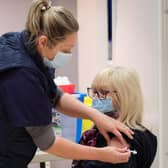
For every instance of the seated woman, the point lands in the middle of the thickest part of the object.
(116, 92)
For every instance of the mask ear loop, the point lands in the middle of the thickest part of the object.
(115, 99)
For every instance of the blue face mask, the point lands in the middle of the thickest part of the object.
(59, 60)
(103, 105)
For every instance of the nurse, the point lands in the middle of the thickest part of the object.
(28, 93)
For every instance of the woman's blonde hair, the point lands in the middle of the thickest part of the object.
(55, 22)
(126, 93)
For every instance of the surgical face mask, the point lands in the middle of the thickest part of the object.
(59, 60)
(103, 105)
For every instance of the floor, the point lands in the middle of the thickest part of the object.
(57, 164)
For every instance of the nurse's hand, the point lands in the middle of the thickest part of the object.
(107, 124)
(114, 155)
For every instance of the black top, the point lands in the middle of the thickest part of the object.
(27, 95)
(144, 142)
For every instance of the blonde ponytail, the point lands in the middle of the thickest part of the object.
(53, 21)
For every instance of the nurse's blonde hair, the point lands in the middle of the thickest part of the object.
(55, 22)
(126, 93)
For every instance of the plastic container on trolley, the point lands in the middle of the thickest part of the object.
(67, 124)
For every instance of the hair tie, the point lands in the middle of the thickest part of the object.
(44, 8)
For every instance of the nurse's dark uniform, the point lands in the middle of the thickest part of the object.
(27, 95)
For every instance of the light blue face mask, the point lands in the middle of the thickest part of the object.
(59, 60)
(103, 105)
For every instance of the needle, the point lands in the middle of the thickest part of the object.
(134, 152)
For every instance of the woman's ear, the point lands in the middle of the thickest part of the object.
(42, 45)
(42, 42)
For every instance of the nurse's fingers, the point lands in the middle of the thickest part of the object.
(123, 154)
(115, 155)
(124, 129)
(119, 136)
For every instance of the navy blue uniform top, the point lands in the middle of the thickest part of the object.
(27, 94)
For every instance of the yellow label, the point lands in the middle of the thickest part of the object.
(88, 101)
(87, 124)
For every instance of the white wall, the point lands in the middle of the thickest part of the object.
(136, 44)
(13, 15)
(164, 87)
(92, 40)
